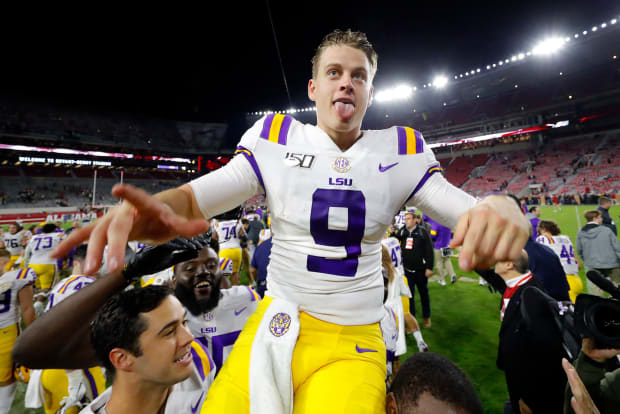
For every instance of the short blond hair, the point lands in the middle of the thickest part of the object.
(357, 40)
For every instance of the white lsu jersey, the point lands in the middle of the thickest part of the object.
(67, 287)
(13, 242)
(226, 266)
(228, 234)
(41, 245)
(563, 248)
(10, 285)
(218, 330)
(331, 208)
(389, 329)
(393, 246)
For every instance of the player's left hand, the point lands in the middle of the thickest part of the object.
(494, 230)
(154, 259)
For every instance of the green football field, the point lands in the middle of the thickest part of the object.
(466, 322)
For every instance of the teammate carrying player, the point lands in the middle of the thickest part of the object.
(329, 217)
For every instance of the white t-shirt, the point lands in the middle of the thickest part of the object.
(218, 330)
(10, 284)
(330, 208)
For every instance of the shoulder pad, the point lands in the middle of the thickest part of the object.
(410, 141)
(276, 127)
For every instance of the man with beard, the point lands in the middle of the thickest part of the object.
(216, 316)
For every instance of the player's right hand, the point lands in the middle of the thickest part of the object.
(141, 216)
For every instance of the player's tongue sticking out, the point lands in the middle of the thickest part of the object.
(344, 109)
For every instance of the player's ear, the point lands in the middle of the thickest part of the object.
(390, 404)
(371, 96)
(121, 359)
(311, 90)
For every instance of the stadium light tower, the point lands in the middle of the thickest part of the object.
(440, 81)
(398, 93)
(548, 46)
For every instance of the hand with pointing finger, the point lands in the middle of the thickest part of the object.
(153, 219)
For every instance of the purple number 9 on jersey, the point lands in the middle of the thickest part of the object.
(351, 238)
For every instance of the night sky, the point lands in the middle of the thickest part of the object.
(215, 63)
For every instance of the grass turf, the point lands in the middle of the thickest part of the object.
(465, 320)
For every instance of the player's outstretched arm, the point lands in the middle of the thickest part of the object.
(61, 337)
(150, 218)
(493, 230)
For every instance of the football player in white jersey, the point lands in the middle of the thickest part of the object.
(15, 294)
(37, 255)
(14, 241)
(216, 316)
(229, 230)
(58, 388)
(140, 335)
(549, 235)
(332, 190)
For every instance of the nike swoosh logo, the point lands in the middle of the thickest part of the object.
(195, 407)
(362, 350)
(387, 167)
(238, 312)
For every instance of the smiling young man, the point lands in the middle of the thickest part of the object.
(156, 365)
(216, 316)
(330, 207)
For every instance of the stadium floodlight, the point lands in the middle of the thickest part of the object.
(613, 21)
(494, 65)
(461, 75)
(456, 76)
(501, 62)
(440, 81)
(514, 58)
(506, 61)
(520, 56)
(576, 35)
(548, 46)
(488, 67)
(478, 70)
(585, 32)
(472, 72)
(603, 25)
(594, 29)
(398, 93)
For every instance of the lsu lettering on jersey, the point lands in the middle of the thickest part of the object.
(393, 246)
(218, 330)
(13, 242)
(186, 396)
(563, 248)
(228, 234)
(40, 246)
(67, 287)
(330, 210)
(10, 285)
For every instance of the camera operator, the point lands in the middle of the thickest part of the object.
(603, 386)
